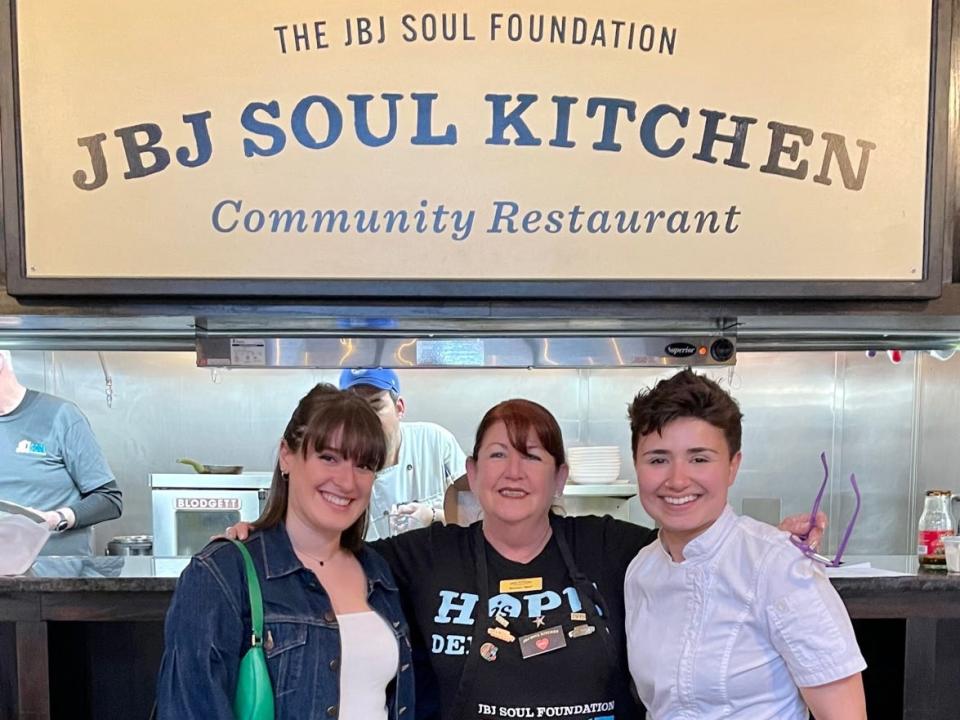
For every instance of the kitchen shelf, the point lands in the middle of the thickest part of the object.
(617, 489)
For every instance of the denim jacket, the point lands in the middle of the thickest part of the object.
(208, 631)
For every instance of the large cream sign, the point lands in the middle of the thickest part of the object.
(629, 141)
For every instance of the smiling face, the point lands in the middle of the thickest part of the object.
(684, 474)
(328, 491)
(514, 486)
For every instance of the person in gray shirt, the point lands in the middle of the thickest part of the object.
(50, 462)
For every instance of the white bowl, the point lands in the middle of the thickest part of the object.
(594, 450)
(594, 479)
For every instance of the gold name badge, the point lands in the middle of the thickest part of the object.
(521, 585)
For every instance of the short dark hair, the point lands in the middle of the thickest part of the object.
(685, 395)
(520, 417)
(371, 392)
(319, 416)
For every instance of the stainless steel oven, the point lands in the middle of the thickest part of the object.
(188, 509)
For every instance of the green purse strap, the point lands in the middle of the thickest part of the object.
(253, 588)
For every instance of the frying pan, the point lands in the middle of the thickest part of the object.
(212, 469)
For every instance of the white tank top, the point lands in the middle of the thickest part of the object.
(369, 662)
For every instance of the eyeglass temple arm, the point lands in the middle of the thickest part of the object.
(819, 498)
(853, 519)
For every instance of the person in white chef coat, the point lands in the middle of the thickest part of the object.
(725, 617)
(423, 458)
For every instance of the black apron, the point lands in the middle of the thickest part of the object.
(579, 681)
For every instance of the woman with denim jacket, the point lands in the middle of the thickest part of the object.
(521, 614)
(334, 635)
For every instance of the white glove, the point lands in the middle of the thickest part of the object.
(53, 517)
(422, 513)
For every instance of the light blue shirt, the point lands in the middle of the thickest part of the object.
(48, 458)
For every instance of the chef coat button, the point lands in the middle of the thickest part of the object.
(332, 711)
(402, 710)
(396, 623)
(405, 666)
(329, 616)
(335, 664)
(409, 468)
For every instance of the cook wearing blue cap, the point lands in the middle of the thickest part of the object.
(381, 378)
(423, 458)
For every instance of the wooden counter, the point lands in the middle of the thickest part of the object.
(82, 634)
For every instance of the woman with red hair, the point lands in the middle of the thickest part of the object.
(520, 615)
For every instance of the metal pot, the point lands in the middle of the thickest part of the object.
(131, 545)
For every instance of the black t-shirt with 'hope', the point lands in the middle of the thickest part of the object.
(585, 679)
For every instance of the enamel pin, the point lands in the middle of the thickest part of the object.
(500, 634)
(581, 630)
(542, 641)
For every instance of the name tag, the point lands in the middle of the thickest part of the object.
(521, 585)
(542, 641)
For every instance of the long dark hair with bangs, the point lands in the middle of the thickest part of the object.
(321, 414)
(520, 417)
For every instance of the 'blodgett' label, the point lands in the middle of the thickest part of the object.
(202, 503)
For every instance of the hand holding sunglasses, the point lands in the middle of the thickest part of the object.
(801, 540)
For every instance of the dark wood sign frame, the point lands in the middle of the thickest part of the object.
(938, 227)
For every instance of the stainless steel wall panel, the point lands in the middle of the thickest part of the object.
(888, 423)
(605, 419)
(787, 403)
(938, 431)
(875, 429)
(458, 399)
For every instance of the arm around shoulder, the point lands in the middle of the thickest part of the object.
(408, 555)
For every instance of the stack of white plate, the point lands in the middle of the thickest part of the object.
(592, 464)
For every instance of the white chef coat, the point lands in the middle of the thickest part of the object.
(734, 629)
(430, 459)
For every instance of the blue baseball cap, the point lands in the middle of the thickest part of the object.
(377, 377)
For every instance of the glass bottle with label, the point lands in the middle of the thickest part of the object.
(936, 522)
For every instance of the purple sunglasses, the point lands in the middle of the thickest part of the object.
(801, 540)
